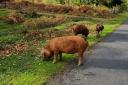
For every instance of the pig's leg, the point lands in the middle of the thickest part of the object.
(60, 54)
(55, 57)
(80, 59)
(97, 34)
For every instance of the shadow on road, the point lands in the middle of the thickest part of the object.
(107, 64)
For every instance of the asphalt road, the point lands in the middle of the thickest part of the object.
(106, 65)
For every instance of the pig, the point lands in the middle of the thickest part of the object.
(79, 29)
(66, 44)
(99, 28)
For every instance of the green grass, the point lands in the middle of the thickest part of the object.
(27, 68)
(4, 12)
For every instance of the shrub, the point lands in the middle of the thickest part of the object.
(44, 22)
(115, 10)
(35, 35)
(57, 8)
(84, 9)
(101, 8)
(103, 12)
(25, 3)
(74, 10)
(30, 12)
(14, 18)
(124, 6)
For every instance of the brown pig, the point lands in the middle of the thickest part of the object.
(79, 29)
(65, 44)
(99, 28)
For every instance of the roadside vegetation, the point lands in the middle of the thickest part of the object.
(23, 33)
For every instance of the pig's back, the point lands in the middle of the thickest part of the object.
(68, 43)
